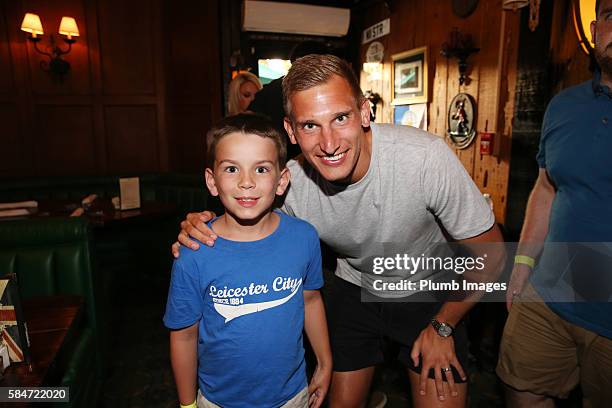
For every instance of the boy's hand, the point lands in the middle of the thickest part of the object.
(194, 226)
(319, 384)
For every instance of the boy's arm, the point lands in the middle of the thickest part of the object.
(315, 326)
(184, 358)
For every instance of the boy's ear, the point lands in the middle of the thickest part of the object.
(210, 182)
(289, 129)
(283, 181)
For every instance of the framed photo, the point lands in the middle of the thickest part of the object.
(409, 77)
(411, 115)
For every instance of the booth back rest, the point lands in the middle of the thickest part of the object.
(50, 256)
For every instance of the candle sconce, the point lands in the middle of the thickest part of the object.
(459, 46)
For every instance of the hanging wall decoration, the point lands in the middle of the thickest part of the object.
(461, 117)
(409, 77)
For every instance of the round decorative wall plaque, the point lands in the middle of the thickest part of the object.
(375, 52)
(463, 8)
(461, 117)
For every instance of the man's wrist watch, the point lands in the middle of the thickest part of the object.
(443, 329)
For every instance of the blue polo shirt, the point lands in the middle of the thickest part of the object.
(576, 151)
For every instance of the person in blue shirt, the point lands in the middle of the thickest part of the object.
(237, 310)
(559, 331)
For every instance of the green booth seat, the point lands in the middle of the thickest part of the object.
(53, 256)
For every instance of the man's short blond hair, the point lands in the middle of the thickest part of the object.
(314, 70)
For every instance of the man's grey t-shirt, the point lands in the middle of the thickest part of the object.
(413, 178)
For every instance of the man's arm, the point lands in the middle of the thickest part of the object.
(533, 234)
(184, 358)
(315, 326)
(438, 352)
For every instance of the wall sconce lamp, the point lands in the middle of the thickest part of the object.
(56, 66)
(459, 46)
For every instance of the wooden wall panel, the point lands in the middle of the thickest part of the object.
(11, 152)
(193, 81)
(127, 33)
(131, 139)
(6, 63)
(416, 23)
(190, 122)
(64, 140)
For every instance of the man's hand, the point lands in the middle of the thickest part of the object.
(437, 353)
(195, 227)
(319, 384)
(518, 280)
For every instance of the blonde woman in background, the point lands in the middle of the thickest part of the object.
(241, 92)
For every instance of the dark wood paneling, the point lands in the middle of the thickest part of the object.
(189, 125)
(63, 141)
(194, 80)
(11, 152)
(126, 30)
(109, 115)
(131, 139)
(6, 63)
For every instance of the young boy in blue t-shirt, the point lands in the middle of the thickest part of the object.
(237, 310)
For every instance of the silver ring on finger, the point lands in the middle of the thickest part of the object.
(445, 369)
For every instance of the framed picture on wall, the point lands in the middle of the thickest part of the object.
(411, 115)
(409, 77)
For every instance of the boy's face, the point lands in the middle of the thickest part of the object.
(328, 125)
(246, 175)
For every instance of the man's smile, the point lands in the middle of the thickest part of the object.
(334, 160)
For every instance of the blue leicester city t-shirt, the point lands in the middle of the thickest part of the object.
(248, 299)
(576, 151)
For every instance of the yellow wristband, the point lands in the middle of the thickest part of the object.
(525, 260)
(192, 405)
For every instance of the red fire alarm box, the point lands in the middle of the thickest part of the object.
(486, 142)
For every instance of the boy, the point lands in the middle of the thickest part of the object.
(237, 310)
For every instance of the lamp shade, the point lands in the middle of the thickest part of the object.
(31, 24)
(514, 4)
(69, 27)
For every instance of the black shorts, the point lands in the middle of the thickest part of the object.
(360, 332)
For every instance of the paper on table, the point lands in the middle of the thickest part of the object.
(15, 212)
(130, 193)
(20, 204)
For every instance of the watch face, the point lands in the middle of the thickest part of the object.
(445, 330)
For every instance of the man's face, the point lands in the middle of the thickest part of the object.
(246, 176)
(328, 123)
(601, 30)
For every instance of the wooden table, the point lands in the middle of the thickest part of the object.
(102, 214)
(51, 321)
(147, 210)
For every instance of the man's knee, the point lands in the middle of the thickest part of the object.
(349, 389)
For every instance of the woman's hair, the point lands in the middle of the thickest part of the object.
(233, 91)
